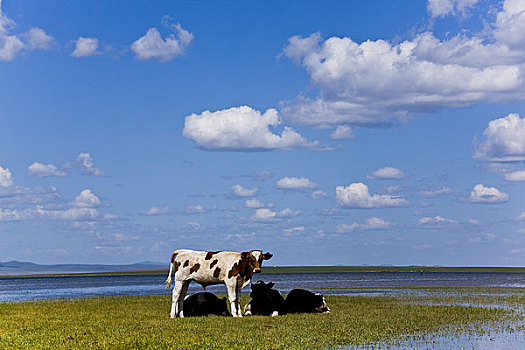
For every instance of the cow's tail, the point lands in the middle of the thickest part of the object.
(168, 280)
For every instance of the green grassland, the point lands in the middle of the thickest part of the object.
(142, 322)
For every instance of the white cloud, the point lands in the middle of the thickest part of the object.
(483, 238)
(41, 170)
(6, 179)
(85, 47)
(254, 203)
(87, 166)
(473, 222)
(515, 176)
(372, 223)
(240, 191)
(295, 183)
(86, 199)
(436, 222)
(488, 195)
(441, 8)
(356, 195)
(268, 215)
(434, 192)
(155, 211)
(387, 173)
(241, 128)
(318, 194)
(151, 47)
(37, 39)
(504, 140)
(195, 209)
(377, 82)
(521, 216)
(342, 132)
(293, 230)
(12, 44)
(41, 213)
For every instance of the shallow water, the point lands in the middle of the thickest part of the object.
(29, 288)
(495, 340)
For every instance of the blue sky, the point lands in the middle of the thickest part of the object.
(327, 133)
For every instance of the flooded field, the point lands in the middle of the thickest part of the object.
(29, 288)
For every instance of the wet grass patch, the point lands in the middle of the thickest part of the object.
(142, 322)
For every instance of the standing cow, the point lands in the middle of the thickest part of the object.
(232, 269)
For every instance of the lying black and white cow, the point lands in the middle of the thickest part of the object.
(205, 304)
(235, 270)
(265, 301)
(303, 301)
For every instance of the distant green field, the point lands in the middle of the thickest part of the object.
(142, 322)
(313, 269)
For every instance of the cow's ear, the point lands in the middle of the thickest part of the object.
(270, 285)
(267, 256)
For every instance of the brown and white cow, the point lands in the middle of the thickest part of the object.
(233, 269)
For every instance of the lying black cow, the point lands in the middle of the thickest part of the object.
(265, 301)
(205, 304)
(303, 301)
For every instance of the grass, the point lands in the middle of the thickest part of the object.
(142, 322)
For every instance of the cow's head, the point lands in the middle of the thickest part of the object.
(255, 259)
(320, 302)
(260, 288)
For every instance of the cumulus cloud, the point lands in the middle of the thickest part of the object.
(41, 170)
(378, 82)
(12, 44)
(6, 179)
(86, 199)
(87, 166)
(372, 223)
(241, 129)
(295, 183)
(268, 215)
(356, 195)
(318, 194)
(435, 222)
(387, 173)
(515, 176)
(11, 193)
(152, 47)
(240, 191)
(254, 203)
(342, 132)
(487, 195)
(441, 8)
(85, 47)
(504, 140)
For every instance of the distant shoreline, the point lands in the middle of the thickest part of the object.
(299, 269)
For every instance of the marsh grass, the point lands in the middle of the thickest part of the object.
(142, 322)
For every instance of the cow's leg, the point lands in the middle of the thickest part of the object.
(238, 300)
(232, 297)
(177, 288)
(182, 295)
